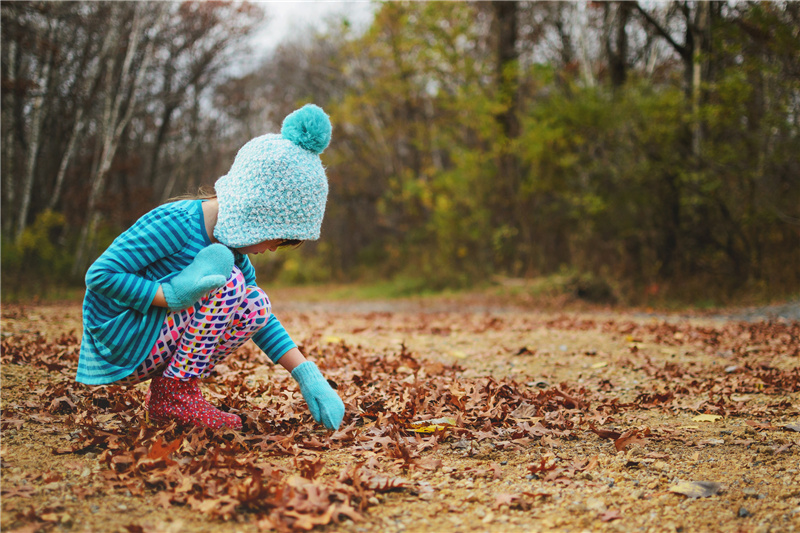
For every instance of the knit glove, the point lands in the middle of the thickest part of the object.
(323, 402)
(209, 270)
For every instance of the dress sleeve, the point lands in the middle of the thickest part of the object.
(157, 234)
(272, 338)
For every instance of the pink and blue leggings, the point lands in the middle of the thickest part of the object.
(192, 341)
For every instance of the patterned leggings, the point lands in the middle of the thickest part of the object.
(192, 341)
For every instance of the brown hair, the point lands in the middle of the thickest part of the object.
(204, 192)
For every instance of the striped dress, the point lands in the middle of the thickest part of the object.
(120, 325)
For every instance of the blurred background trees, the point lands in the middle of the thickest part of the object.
(646, 149)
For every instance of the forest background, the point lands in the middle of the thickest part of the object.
(632, 151)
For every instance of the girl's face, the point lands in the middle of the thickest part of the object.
(261, 247)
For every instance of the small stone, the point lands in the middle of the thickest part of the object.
(596, 504)
(743, 513)
(659, 465)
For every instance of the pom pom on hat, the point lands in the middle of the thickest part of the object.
(308, 127)
(276, 187)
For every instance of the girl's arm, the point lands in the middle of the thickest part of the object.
(158, 299)
(292, 359)
(272, 338)
(114, 273)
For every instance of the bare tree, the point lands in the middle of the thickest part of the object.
(123, 81)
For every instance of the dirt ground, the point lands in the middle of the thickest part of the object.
(461, 416)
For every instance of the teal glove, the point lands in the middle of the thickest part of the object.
(209, 270)
(323, 402)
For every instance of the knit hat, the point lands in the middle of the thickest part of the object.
(276, 187)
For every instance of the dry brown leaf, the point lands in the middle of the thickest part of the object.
(632, 436)
(611, 514)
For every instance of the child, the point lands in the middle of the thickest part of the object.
(175, 294)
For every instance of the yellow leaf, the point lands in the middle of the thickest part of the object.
(600, 365)
(332, 340)
(457, 354)
(696, 489)
(706, 418)
(429, 426)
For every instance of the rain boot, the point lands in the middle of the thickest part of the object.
(173, 399)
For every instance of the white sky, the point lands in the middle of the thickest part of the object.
(287, 19)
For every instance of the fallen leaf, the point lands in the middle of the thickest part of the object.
(525, 411)
(760, 425)
(696, 489)
(505, 499)
(706, 418)
(633, 436)
(793, 427)
(605, 433)
(611, 514)
(783, 448)
(429, 426)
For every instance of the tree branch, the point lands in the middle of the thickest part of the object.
(682, 50)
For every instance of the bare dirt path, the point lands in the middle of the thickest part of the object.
(461, 416)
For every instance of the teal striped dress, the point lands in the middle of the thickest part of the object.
(120, 325)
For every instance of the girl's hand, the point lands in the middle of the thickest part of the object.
(323, 402)
(209, 270)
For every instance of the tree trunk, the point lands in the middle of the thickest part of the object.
(510, 206)
(77, 129)
(9, 95)
(617, 53)
(700, 30)
(115, 122)
(83, 94)
(37, 118)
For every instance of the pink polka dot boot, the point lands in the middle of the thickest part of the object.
(172, 399)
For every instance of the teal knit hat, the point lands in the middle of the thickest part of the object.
(276, 187)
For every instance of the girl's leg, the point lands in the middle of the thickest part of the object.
(251, 315)
(218, 325)
(163, 349)
(218, 329)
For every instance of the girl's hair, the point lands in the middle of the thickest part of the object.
(206, 192)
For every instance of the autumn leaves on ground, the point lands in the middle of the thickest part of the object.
(457, 420)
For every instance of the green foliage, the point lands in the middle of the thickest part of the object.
(36, 264)
(603, 181)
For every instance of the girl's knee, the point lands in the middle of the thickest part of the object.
(258, 306)
(235, 286)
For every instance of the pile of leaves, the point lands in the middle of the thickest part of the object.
(398, 406)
